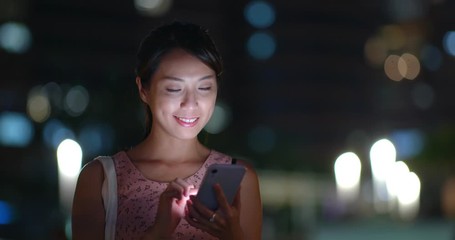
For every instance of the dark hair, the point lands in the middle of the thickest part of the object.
(190, 37)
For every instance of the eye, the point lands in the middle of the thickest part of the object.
(205, 88)
(173, 90)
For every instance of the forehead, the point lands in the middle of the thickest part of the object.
(179, 63)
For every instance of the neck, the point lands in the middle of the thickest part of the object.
(169, 149)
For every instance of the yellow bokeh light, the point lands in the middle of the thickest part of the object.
(412, 66)
(375, 51)
(38, 107)
(391, 68)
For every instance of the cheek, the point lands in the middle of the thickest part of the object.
(164, 105)
(209, 105)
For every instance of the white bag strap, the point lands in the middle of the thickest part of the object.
(109, 194)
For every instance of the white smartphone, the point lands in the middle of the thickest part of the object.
(229, 176)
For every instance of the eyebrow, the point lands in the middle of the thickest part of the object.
(211, 76)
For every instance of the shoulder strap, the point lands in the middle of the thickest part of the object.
(109, 193)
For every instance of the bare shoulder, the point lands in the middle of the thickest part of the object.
(250, 181)
(251, 214)
(88, 210)
(92, 170)
(90, 180)
(250, 171)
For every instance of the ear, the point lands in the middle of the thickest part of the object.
(142, 91)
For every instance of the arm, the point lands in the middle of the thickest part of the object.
(241, 220)
(251, 205)
(88, 215)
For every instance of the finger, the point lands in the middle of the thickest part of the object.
(186, 186)
(221, 198)
(193, 191)
(173, 186)
(237, 202)
(197, 220)
(171, 194)
(196, 215)
(200, 208)
(195, 223)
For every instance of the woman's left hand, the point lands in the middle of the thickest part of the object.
(224, 223)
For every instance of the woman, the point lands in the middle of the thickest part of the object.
(177, 79)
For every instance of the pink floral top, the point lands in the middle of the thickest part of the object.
(138, 199)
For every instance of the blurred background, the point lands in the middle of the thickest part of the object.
(345, 108)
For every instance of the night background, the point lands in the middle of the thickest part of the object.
(304, 82)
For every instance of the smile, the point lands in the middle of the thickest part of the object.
(187, 122)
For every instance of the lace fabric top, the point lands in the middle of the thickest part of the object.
(138, 198)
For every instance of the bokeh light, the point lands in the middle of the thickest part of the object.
(55, 94)
(422, 95)
(391, 68)
(348, 168)
(16, 130)
(448, 198)
(409, 66)
(449, 43)
(69, 158)
(261, 45)
(153, 8)
(96, 138)
(394, 180)
(431, 57)
(38, 105)
(6, 213)
(409, 196)
(69, 162)
(409, 189)
(15, 37)
(55, 132)
(375, 51)
(382, 155)
(259, 14)
(382, 158)
(76, 101)
(404, 66)
(220, 119)
(409, 142)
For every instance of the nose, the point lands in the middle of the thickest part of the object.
(189, 100)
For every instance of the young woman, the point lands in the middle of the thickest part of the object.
(177, 79)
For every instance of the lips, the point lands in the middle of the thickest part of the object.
(187, 122)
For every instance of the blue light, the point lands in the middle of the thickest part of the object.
(431, 57)
(55, 132)
(16, 130)
(96, 138)
(408, 143)
(15, 37)
(6, 213)
(261, 45)
(449, 42)
(259, 14)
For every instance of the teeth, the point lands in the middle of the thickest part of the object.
(188, 120)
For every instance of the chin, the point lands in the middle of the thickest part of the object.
(188, 135)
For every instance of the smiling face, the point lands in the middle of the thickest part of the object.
(181, 95)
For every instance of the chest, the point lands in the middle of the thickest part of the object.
(164, 172)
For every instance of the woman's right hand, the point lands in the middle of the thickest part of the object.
(171, 209)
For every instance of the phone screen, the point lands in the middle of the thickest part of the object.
(229, 176)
